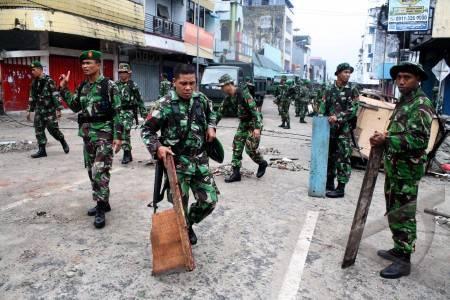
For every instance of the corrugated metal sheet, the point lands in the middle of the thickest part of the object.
(146, 75)
(121, 12)
(42, 20)
(16, 83)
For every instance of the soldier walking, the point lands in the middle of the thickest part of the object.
(98, 102)
(405, 143)
(131, 103)
(187, 121)
(44, 102)
(164, 85)
(248, 134)
(302, 96)
(284, 101)
(340, 105)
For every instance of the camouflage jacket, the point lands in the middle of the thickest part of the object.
(245, 105)
(407, 138)
(341, 102)
(44, 98)
(301, 93)
(184, 131)
(88, 100)
(164, 88)
(282, 92)
(131, 97)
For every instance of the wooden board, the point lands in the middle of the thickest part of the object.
(319, 157)
(362, 208)
(171, 247)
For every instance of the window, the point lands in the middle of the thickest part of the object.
(202, 17)
(190, 17)
(265, 2)
(163, 12)
(368, 67)
(191, 14)
(369, 48)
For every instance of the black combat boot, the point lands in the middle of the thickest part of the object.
(100, 219)
(339, 192)
(65, 146)
(262, 169)
(235, 176)
(302, 120)
(40, 153)
(288, 125)
(401, 266)
(282, 124)
(126, 157)
(192, 236)
(330, 184)
(93, 211)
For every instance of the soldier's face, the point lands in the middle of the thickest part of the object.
(229, 89)
(407, 82)
(90, 67)
(185, 85)
(124, 76)
(344, 76)
(36, 72)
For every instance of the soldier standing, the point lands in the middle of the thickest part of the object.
(164, 85)
(98, 101)
(340, 106)
(248, 134)
(405, 143)
(187, 121)
(45, 103)
(280, 90)
(284, 101)
(131, 103)
(303, 100)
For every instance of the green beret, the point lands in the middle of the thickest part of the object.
(90, 54)
(124, 67)
(36, 64)
(225, 79)
(343, 67)
(408, 67)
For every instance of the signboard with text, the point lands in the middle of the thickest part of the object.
(408, 15)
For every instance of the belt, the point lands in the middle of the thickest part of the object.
(93, 119)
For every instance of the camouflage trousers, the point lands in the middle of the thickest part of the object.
(285, 110)
(243, 138)
(203, 187)
(128, 121)
(401, 202)
(49, 122)
(98, 157)
(339, 158)
(301, 108)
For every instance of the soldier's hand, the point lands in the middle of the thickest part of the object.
(210, 134)
(117, 144)
(256, 133)
(162, 152)
(64, 80)
(29, 116)
(332, 119)
(58, 114)
(378, 139)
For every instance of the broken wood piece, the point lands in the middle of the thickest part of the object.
(436, 213)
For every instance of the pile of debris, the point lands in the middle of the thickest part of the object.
(9, 146)
(443, 221)
(269, 151)
(286, 164)
(226, 170)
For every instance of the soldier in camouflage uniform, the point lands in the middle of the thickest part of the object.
(44, 101)
(98, 102)
(164, 85)
(278, 91)
(405, 143)
(131, 103)
(340, 105)
(302, 95)
(248, 134)
(187, 121)
(284, 101)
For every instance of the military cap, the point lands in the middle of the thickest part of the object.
(90, 54)
(343, 66)
(409, 67)
(225, 79)
(283, 77)
(124, 67)
(36, 64)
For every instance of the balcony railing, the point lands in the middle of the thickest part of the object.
(163, 27)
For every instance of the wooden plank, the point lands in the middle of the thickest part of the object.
(319, 156)
(362, 208)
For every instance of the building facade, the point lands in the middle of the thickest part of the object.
(301, 53)
(318, 70)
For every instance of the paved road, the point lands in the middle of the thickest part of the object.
(266, 239)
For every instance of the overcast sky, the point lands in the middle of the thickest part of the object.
(335, 27)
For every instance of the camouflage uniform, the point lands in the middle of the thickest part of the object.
(97, 136)
(131, 100)
(44, 102)
(284, 101)
(404, 164)
(164, 87)
(188, 144)
(250, 119)
(341, 102)
(301, 100)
